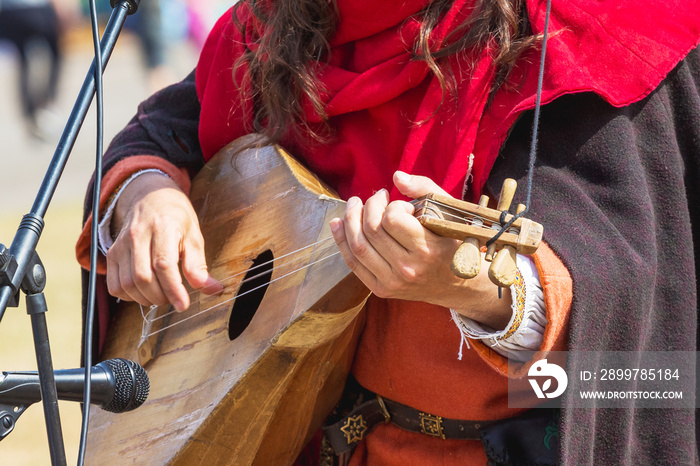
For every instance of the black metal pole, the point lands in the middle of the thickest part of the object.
(36, 308)
(18, 265)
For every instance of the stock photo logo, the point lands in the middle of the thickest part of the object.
(544, 372)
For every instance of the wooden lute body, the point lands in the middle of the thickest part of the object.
(237, 381)
(248, 376)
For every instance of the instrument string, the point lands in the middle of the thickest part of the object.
(264, 264)
(461, 218)
(465, 217)
(284, 256)
(153, 309)
(215, 306)
(447, 210)
(149, 318)
(282, 262)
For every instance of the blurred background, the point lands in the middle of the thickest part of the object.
(45, 52)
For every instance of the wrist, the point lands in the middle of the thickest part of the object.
(135, 191)
(495, 312)
(482, 301)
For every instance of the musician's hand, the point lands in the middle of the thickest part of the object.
(158, 230)
(395, 257)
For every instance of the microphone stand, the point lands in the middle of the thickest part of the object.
(20, 266)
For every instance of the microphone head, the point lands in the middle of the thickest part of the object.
(131, 385)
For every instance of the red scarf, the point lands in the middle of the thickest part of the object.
(375, 93)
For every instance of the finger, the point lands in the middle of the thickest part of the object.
(126, 282)
(113, 286)
(194, 266)
(415, 186)
(338, 231)
(399, 222)
(165, 256)
(143, 274)
(360, 247)
(373, 230)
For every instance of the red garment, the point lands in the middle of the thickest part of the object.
(375, 93)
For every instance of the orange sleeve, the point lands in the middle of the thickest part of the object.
(558, 293)
(111, 182)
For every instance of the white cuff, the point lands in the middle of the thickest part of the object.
(529, 333)
(104, 235)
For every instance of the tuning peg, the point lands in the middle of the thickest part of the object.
(504, 267)
(466, 262)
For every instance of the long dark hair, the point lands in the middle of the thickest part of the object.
(283, 67)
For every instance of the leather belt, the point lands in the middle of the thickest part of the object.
(349, 431)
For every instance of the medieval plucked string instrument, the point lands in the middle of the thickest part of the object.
(251, 373)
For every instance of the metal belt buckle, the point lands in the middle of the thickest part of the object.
(431, 425)
(382, 407)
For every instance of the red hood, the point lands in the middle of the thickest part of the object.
(375, 92)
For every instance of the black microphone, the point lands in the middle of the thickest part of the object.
(117, 385)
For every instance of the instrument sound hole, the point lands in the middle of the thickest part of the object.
(251, 294)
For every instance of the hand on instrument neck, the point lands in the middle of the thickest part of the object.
(395, 257)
